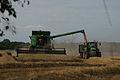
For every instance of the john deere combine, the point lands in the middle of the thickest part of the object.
(41, 44)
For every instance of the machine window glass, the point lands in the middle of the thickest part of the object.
(41, 40)
(92, 45)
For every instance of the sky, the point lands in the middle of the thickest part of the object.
(61, 16)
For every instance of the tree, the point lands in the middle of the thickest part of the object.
(6, 7)
(6, 40)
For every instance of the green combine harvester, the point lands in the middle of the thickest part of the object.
(41, 44)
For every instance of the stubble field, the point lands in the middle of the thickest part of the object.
(57, 67)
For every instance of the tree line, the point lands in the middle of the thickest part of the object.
(7, 44)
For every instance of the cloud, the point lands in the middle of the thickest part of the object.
(31, 28)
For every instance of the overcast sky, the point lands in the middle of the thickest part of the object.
(60, 16)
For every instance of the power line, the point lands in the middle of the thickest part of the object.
(109, 21)
(107, 13)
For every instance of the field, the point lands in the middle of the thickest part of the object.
(57, 67)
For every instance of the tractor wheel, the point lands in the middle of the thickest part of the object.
(99, 54)
(93, 54)
(83, 55)
(31, 47)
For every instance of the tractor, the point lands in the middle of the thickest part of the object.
(89, 49)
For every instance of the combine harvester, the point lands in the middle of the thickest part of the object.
(41, 44)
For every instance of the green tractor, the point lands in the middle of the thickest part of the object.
(89, 49)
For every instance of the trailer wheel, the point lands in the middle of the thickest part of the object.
(85, 55)
(81, 55)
